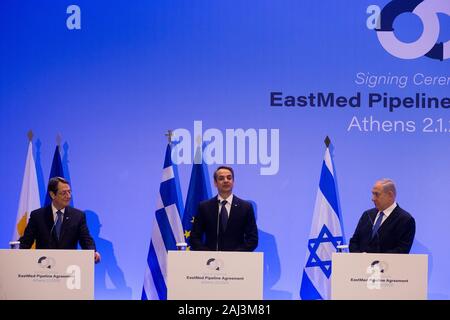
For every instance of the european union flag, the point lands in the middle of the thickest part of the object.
(199, 190)
(55, 171)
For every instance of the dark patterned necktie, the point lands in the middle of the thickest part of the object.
(224, 215)
(58, 223)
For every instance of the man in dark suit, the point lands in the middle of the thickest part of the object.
(225, 222)
(58, 226)
(387, 228)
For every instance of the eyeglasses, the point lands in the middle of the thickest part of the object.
(65, 193)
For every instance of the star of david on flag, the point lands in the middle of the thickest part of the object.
(325, 235)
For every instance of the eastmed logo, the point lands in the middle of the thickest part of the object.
(376, 269)
(426, 45)
(46, 262)
(214, 264)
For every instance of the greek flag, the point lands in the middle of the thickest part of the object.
(326, 234)
(167, 231)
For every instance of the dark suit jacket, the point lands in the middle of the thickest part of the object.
(241, 233)
(73, 230)
(395, 235)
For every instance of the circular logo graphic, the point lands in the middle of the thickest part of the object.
(46, 262)
(214, 264)
(380, 266)
(426, 44)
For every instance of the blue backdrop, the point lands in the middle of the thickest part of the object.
(138, 68)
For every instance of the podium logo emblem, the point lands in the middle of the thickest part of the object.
(376, 269)
(214, 264)
(46, 262)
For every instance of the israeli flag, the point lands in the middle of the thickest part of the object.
(326, 234)
(167, 231)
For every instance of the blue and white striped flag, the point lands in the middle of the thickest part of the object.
(326, 234)
(167, 231)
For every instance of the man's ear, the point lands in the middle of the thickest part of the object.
(52, 195)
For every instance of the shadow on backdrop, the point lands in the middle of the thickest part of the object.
(109, 278)
(65, 161)
(419, 248)
(39, 172)
(64, 153)
(272, 267)
(338, 197)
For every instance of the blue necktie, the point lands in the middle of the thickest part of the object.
(58, 223)
(377, 224)
(224, 215)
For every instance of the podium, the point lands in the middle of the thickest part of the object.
(47, 274)
(377, 276)
(214, 275)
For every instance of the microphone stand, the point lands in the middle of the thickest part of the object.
(218, 219)
(377, 236)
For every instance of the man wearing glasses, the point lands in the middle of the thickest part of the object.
(58, 226)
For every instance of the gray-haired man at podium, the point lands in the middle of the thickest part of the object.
(387, 228)
(58, 226)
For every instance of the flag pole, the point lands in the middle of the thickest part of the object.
(180, 245)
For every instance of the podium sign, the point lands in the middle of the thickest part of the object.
(375, 276)
(46, 274)
(215, 275)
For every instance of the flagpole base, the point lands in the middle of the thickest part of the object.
(181, 246)
(14, 244)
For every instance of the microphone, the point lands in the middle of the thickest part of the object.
(51, 230)
(54, 224)
(371, 221)
(218, 219)
(376, 236)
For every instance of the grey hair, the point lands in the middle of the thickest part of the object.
(53, 184)
(388, 185)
